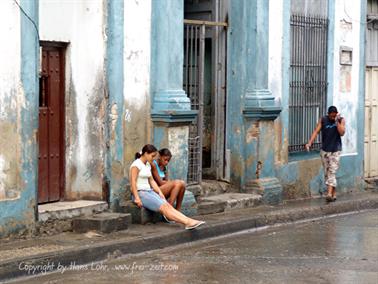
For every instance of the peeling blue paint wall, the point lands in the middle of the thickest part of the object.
(236, 86)
(262, 140)
(171, 110)
(302, 175)
(20, 213)
(114, 171)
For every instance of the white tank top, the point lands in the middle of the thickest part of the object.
(143, 176)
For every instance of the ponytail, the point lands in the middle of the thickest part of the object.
(148, 148)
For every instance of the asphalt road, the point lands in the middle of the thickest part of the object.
(341, 249)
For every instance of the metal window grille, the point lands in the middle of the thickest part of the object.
(308, 79)
(194, 48)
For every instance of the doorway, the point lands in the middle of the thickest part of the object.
(51, 123)
(371, 123)
(205, 49)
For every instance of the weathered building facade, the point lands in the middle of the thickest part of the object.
(233, 88)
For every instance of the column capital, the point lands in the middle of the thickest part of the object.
(261, 104)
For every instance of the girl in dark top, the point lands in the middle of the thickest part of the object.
(173, 190)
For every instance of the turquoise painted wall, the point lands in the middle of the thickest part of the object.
(114, 171)
(248, 140)
(302, 176)
(236, 86)
(21, 213)
(171, 108)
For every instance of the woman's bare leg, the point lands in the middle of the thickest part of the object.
(167, 188)
(172, 214)
(180, 196)
(171, 191)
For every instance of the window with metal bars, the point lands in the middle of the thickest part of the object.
(308, 78)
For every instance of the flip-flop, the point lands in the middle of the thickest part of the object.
(168, 221)
(195, 226)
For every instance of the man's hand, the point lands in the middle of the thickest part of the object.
(339, 118)
(138, 202)
(308, 146)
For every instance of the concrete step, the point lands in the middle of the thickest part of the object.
(103, 222)
(227, 201)
(371, 183)
(210, 188)
(139, 215)
(69, 209)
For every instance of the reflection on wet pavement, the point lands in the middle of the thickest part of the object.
(337, 250)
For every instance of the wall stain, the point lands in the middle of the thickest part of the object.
(253, 132)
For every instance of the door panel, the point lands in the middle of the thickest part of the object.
(51, 127)
(371, 123)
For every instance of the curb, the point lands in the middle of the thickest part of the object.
(102, 251)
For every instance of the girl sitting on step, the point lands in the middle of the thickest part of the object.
(173, 190)
(146, 193)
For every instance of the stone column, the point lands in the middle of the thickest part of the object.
(171, 110)
(114, 169)
(259, 107)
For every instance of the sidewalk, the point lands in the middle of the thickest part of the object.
(47, 253)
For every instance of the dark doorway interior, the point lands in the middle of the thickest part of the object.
(205, 50)
(51, 123)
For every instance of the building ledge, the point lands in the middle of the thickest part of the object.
(69, 209)
(174, 116)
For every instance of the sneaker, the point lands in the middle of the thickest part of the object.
(195, 225)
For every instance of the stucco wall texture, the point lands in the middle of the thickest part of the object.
(81, 24)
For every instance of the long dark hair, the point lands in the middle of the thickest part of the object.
(148, 148)
(165, 152)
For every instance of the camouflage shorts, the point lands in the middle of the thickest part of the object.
(330, 162)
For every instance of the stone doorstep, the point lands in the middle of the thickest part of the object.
(211, 207)
(70, 209)
(103, 222)
(228, 201)
(211, 188)
(139, 215)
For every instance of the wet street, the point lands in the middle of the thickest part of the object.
(341, 249)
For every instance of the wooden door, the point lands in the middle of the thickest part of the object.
(51, 125)
(371, 123)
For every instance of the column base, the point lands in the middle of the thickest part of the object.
(269, 188)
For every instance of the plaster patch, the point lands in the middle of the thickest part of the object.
(9, 161)
(178, 145)
(253, 132)
(114, 117)
(177, 137)
(345, 79)
(137, 45)
(128, 115)
(275, 47)
(2, 178)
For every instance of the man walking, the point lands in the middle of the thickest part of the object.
(332, 127)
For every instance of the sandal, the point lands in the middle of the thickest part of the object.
(167, 220)
(195, 225)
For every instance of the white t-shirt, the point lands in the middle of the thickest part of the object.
(144, 173)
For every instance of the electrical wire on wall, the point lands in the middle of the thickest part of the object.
(28, 17)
